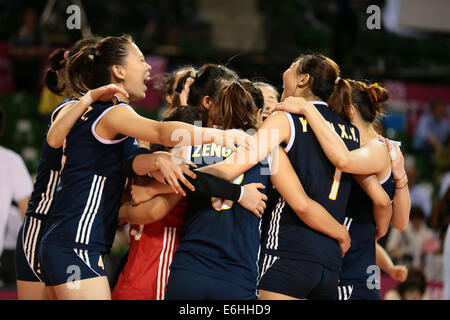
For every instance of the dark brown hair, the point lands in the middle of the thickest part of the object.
(369, 99)
(170, 85)
(255, 92)
(325, 82)
(90, 67)
(235, 109)
(208, 82)
(58, 60)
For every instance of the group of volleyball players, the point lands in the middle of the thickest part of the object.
(237, 197)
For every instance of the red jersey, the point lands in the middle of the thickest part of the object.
(152, 246)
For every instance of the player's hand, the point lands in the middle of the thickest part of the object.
(253, 200)
(344, 241)
(173, 169)
(399, 273)
(397, 159)
(268, 111)
(293, 105)
(105, 93)
(235, 137)
(142, 190)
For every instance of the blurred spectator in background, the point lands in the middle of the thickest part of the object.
(441, 212)
(420, 193)
(7, 263)
(441, 160)
(434, 260)
(433, 128)
(26, 49)
(446, 257)
(412, 289)
(271, 97)
(407, 247)
(15, 183)
(431, 132)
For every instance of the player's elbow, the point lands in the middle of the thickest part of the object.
(341, 163)
(301, 208)
(53, 142)
(399, 225)
(382, 203)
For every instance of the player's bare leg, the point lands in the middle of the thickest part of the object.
(31, 290)
(269, 295)
(87, 289)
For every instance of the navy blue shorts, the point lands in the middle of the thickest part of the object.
(186, 285)
(61, 264)
(300, 279)
(357, 291)
(27, 249)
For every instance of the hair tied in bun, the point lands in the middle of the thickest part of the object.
(372, 89)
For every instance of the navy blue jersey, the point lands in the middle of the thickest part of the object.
(88, 197)
(221, 239)
(361, 226)
(47, 177)
(287, 235)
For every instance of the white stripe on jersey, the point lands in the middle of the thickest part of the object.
(45, 196)
(29, 236)
(345, 292)
(52, 193)
(269, 260)
(167, 257)
(158, 288)
(26, 223)
(99, 199)
(347, 223)
(83, 216)
(172, 246)
(90, 210)
(34, 242)
(272, 242)
(350, 290)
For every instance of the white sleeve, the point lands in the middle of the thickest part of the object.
(21, 183)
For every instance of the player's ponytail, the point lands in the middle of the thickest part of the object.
(57, 62)
(55, 78)
(325, 82)
(368, 99)
(80, 70)
(235, 109)
(340, 100)
(208, 81)
(90, 67)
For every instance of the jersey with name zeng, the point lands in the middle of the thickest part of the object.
(221, 239)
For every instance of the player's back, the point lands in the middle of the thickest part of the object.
(88, 197)
(287, 235)
(221, 239)
(47, 177)
(361, 225)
